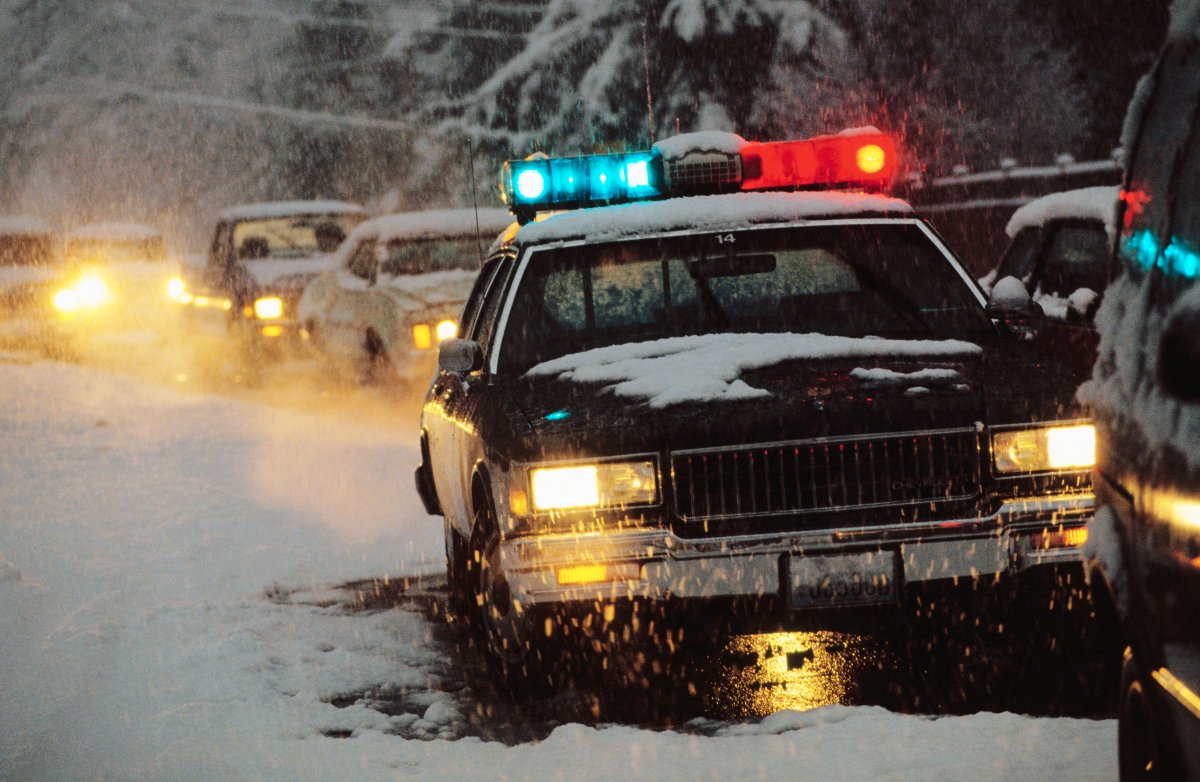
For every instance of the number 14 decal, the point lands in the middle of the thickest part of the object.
(726, 239)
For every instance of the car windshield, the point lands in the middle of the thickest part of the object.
(25, 249)
(297, 236)
(116, 250)
(405, 256)
(872, 279)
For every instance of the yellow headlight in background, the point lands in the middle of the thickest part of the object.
(66, 300)
(422, 336)
(88, 291)
(268, 308)
(609, 484)
(175, 288)
(447, 329)
(1048, 448)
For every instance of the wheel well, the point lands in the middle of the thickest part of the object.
(481, 496)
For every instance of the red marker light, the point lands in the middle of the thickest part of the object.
(856, 159)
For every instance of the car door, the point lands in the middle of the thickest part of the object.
(1068, 281)
(445, 409)
(345, 334)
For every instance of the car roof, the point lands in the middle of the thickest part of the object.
(269, 209)
(729, 211)
(113, 232)
(1086, 203)
(435, 223)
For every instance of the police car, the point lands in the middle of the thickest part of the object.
(725, 378)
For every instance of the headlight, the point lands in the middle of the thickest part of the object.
(1048, 448)
(594, 485)
(447, 329)
(268, 308)
(175, 288)
(87, 292)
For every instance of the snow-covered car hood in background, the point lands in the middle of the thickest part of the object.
(18, 277)
(436, 289)
(285, 273)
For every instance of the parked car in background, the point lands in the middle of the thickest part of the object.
(1059, 248)
(397, 289)
(259, 261)
(28, 269)
(116, 276)
(1145, 539)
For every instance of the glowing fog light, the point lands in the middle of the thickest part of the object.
(268, 308)
(1049, 448)
(422, 336)
(1060, 538)
(575, 575)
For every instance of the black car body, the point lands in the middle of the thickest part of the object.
(1145, 546)
(259, 261)
(768, 465)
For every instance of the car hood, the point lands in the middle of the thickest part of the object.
(13, 278)
(283, 274)
(798, 399)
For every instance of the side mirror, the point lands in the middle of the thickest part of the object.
(1011, 305)
(1179, 355)
(460, 355)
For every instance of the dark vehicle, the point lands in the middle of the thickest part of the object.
(1146, 396)
(1060, 247)
(261, 258)
(751, 404)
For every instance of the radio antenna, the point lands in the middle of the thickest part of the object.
(646, 75)
(474, 198)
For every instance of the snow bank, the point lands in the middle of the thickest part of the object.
(706, 367)
(1087, 203)
(706, 213)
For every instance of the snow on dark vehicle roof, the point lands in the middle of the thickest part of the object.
(21, 224)
(108, 232)
(1087, 203)
(707, 213)
(269, 209)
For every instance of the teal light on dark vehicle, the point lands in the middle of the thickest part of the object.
(557, 415)
(572, 182)
(1177, 259)
(531, 184)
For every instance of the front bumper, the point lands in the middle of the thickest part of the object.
(671, 567)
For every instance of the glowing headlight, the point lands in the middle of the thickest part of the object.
(594, 485)
(175, 288)
(1048, 448)
(268, 308)
(447, 329)
(87, 292)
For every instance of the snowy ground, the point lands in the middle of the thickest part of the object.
(170, 609)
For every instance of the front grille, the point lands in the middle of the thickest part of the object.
(820, 476)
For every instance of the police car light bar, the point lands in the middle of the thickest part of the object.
(859, 159)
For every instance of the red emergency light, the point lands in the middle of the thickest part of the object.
(857, 159)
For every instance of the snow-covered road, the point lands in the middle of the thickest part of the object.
(169, 610)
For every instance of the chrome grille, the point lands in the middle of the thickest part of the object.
(819, 476)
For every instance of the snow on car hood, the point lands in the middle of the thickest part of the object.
(285, 272)
(433, 289)
(20, 276)
(708, 367)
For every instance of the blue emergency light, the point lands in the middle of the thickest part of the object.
(587, 180)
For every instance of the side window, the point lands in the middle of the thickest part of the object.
(218, 253)
(1077, 258)
(489, 313)
(362, 263)
(475, 300)
(1147, 195)
(1018, 259)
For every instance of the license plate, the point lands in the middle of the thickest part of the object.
(867, 578)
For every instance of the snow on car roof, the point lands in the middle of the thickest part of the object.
(22, 224)
(268, 209)
(707, 213)
(435, 223)
(1087, 203)
(113, 232)
(675, 147)
(707, 367)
